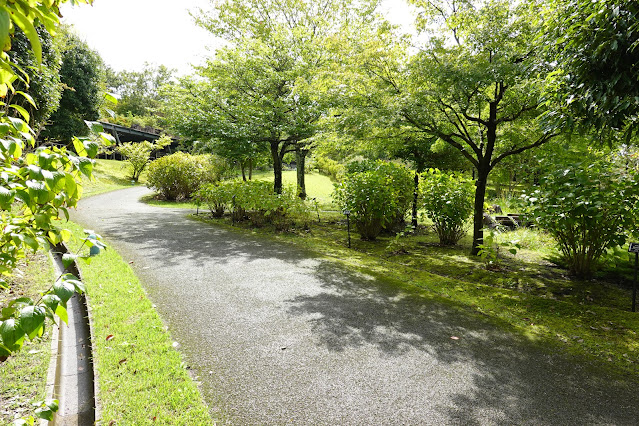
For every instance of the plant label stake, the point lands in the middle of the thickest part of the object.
(634, 248)
(348, 226)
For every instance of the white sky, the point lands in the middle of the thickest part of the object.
(127, 33)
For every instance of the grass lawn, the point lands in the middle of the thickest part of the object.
(109, 175)
(23, 375)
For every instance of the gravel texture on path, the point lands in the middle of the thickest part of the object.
(277, 335)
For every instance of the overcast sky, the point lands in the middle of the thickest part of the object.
(128, 33)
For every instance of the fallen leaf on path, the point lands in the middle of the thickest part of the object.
(454, 337)
(110, 337)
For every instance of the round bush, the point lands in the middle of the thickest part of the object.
(448, 202)
(179, 175)
(375, 198)
(588, 208)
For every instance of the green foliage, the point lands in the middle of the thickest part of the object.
(254, 201)
(43, 83)
(402, 181)
(328, 167)
(138, 154)
(80, 75)
(25, 318)
(139, 93)
(179, 175)
(588, 208)
(593, 47)
(448, 202)
(377, 195)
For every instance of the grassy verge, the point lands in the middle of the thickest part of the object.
(142, 378)
(23, 375)
(109, 175)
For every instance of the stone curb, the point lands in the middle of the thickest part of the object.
(71, 377)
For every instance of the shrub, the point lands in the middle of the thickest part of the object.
(138, 154)
(328, 167)
(448, 202)
(371, 199)
(254, 201)
(400, 178)
(179, 175)
(588, 208)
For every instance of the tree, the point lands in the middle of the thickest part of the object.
(189, 113)
(139, 93)
(594, 49)
(81, 76)
(266, 85)
(475, 87)
(43, 83)
(138, 154)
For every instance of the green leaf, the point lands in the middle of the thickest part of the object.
(79, 147)
(61, 312)
(63, 290)
(47, 409)
(29, 30)
(71, 279)
(27, 97)
(32, 320)
(51, 301)
(5, 25)
(23, 112)
(6, 198)
(12, 334)
(94, 126)
(68, 259)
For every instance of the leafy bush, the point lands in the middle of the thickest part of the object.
(374, 197)
(254, 201)
(588, 208)
(138, 154)
(400, 178)
(448, 202)
(179, 175)
(328, 167)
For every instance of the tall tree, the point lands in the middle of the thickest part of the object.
(139, 91)
(43, 84)
(593, 46)
(266, 83)
(81, 76)
(474, 85)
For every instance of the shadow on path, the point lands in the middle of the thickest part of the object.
(514, 380)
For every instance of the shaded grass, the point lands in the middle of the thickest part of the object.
(23, 375)
(142, 378)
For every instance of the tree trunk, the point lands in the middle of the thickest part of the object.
(250, 161)
(480, 197)
(300, 158)
(277, 167)
(242, 166)
(415, 195)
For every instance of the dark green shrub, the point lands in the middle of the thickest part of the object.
(448, 201)
(179, 175)
(372, 200)
(400, 179)
(588, 208)
(254, 201)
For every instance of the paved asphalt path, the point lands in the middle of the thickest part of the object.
(278, 336)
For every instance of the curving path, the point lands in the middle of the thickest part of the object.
(277, 336)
